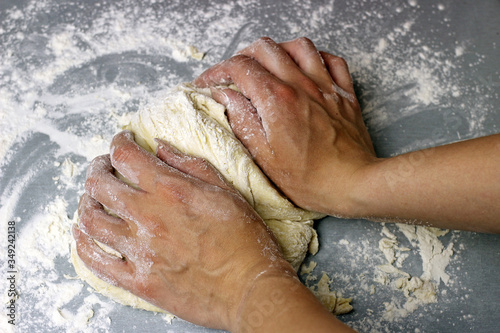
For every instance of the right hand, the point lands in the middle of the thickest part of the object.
(297, 114)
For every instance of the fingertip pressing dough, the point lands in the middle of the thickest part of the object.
(194, 123)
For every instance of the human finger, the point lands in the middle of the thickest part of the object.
(194, 166)
(304, 53)
(112, 193)
(101, 226)
(273, 58)
(237, 70)
(263, 89)
(244, 120)
(134, 162)
(113, 269)
(339, 71)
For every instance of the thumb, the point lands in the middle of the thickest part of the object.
(194, 166)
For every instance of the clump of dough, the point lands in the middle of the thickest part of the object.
(329, 298)
(194, 123)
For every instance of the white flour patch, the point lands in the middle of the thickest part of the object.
(71, 74)
(418, 290)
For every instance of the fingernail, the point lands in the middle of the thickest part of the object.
(159, 143)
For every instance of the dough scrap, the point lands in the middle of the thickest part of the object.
(194, 123)
(329, 298)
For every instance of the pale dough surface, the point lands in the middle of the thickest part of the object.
(190, 120)
(116, 293)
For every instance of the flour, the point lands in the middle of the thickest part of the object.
(39, 248)
(417, 290)
(72, 73)
(69, 169)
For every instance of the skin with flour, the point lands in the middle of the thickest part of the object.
(190, 120)
(196, 125)
(321, 130)
(159, 253)
(292, 79)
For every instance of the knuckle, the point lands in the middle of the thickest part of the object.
(81, 204)
(97, 165)
(85, 221)
(264, 40)
(239, 59)
(122, 146)
(304, 41)
(263, 43)
(340, 61)
(91, 184)
(121, 137)
(285, 93)
(333, 59)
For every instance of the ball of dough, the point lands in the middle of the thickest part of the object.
(194, 123)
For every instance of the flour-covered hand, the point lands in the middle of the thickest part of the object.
(190, 243)
(297, 114)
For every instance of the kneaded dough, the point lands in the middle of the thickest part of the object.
(116, 293)
(194, 123)
(191, 121)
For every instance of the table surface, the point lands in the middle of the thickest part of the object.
(426, 74)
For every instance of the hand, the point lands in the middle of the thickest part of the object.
(191, 244)
(297, 114)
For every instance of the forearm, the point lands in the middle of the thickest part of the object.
(455, 186)
(284, 305)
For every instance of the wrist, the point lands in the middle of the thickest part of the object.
(284, 304)
(263, 302)
(365, 189)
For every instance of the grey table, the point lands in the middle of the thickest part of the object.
(426, 74)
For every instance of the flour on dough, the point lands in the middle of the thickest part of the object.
(190, 120)
(116, 293)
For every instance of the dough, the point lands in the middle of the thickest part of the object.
(335, 304)
(116, 293)
(190, 120)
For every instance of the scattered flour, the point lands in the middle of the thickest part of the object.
(417, 290)
(71, 74)
(69, 169)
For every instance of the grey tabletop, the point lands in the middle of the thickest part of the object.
(426, 73)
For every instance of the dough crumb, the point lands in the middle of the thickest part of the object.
(418, 291)
(344, 242)
(307, 269)
(329, 298)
